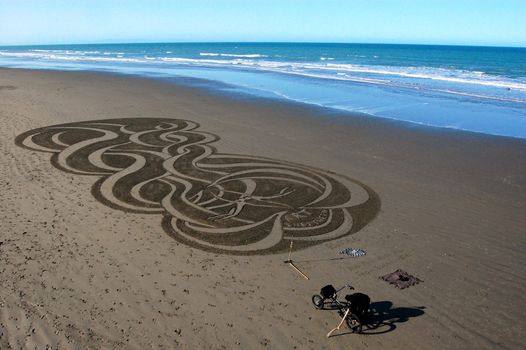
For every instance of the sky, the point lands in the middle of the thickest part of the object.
(459, 22)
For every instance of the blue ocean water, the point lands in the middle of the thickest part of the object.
(479, 89)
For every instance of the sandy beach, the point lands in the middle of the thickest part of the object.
(90, 260)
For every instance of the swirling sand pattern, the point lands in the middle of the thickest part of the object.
(224, 203)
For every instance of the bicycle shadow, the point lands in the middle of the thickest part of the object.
(383, 318)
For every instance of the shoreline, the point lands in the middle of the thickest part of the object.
(467, 100)
(84, 274)
(221, 90)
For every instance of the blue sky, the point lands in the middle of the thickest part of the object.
(470, 22)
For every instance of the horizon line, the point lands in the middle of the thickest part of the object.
(111, 42)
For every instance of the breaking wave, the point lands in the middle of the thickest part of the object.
(383, 75)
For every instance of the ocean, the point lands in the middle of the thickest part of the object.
(477, 89)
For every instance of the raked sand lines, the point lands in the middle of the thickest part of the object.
(224, 203)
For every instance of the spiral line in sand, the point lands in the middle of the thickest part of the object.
(226, 203)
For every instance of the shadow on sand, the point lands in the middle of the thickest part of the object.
(383, 317)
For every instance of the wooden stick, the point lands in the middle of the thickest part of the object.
(289, 261)
(343, 319)
(296, 268)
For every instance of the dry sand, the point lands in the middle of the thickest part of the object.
(76, 273)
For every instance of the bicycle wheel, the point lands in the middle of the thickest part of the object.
(354, 323)
(317, 300)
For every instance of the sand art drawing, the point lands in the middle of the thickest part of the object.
(225, 203)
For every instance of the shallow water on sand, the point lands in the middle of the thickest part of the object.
(479, 89)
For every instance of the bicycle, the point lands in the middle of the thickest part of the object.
(353, 310)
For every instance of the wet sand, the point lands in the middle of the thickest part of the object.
(78, 272)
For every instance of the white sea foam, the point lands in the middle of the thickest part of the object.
(67, 52)
(518, 100)
(418, 77)
(252, 55)
(62, 57)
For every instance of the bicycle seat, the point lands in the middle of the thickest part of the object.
(328, 291)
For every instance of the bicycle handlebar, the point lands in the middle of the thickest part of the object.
(347, 285)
